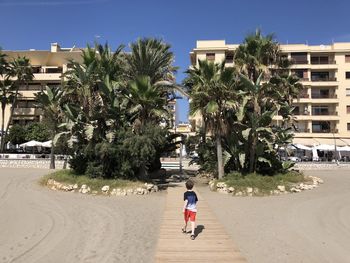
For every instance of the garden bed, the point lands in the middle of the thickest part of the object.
(66, 180)
(259, 185)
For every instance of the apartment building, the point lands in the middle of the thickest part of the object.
(322, 109)
(48, 67)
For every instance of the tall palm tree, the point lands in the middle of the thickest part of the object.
(150, 57)
(20, 70)
(6, 97)
(146, 103)
(50, 102)
(253, 58)
(213, 94)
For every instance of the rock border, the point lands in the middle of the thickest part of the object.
(105, 190)
(221, 187)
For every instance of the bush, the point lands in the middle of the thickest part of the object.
(37, 131)
(17, 134)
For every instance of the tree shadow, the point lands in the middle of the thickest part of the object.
(199, 229)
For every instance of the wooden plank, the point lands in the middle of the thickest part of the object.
(212, 243)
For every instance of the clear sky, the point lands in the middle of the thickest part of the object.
(36, 23)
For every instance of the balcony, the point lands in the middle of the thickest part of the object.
(304, 130)
(313, 78)
(300, 61)
(26, 111)
(321, 62)
(324, 96)
(325, 131)
(324, 113)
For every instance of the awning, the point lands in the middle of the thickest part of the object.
(305, 141)
(31, 144)
(317, 141)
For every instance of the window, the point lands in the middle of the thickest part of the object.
(348, 126)
(348, 92)
(210, 56)
(347, 58)
(347, 75)
(321, 126)
(229, 58)
(348, 109)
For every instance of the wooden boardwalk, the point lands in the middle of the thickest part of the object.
(212, 243)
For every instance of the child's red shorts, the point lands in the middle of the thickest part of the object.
(190, 215)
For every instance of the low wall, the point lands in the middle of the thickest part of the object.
(29, 163)
(321, 166)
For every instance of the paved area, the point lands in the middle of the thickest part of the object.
(212, 243)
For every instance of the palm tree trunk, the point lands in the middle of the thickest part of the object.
(204, 137)
(11, 112)
(219, 157)
(252, 158)
(52, 158)
(2, 127)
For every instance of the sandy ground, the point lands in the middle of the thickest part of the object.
(310, 227)
(40, 225)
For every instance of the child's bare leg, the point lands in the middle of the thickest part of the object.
(185, 227)
(193, 225)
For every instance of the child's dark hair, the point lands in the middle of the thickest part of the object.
(189, 185)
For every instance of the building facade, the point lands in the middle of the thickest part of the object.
(322, 109)
(48, 68)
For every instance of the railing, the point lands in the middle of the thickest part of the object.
(305, 113)
(320, 96)
(329, 62)
(304, 96)
(329, 113)
(298, 62)
(323, 79)
(304, 79)
(325, 131)
(302, 131)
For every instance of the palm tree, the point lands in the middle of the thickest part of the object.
(214, 94)
(252, 59)
(254, 56)
(6, 97)
(21, 71)
(146, 103)
(50, 102)
(150, 57)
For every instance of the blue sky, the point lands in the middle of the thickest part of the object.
(36, 23)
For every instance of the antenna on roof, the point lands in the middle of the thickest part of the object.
(332, 40)
(307, 42)
(72, 48)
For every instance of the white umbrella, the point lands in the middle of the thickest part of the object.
(325, 147)
(31, 144)
(343, 148)
(302, 147)
(47, 144)
(314, 154)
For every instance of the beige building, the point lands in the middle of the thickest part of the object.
(48, 66)
(323, 107)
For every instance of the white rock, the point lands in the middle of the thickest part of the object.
(75, 186)
(276, 192)
(231, 189)
(84, 186)
(249, 190)
(105, 188)
(239, 193)
(281, 188)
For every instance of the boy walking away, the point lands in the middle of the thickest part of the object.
(190, 208)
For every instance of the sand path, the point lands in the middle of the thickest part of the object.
(311, 227)
(40, 225)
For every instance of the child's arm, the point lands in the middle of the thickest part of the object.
(185, 204)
